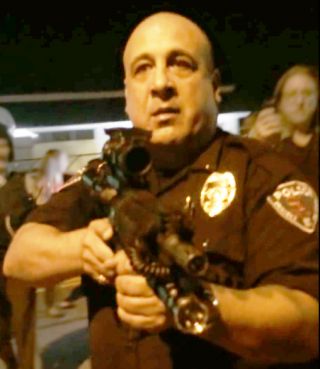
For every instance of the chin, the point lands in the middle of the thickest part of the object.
(163, 136)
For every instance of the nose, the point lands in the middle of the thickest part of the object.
(162, 85)
(300, 98)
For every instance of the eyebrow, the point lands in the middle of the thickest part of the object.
(144, 56)
(141, 56)
(172, 53)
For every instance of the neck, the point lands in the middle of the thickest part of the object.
(287, 131)
(301, 138)
(172, 157)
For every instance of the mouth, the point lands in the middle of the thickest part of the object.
(166, 110)
(165, 115)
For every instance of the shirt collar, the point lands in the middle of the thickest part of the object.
(209, 158)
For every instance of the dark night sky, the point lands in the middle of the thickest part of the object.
(49, 48)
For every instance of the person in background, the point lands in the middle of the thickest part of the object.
(22, 192)
(289, 121)
(45, 181)
(6, 153)
(247, 123)
(75, 294)
(252, 214)
(6, 348)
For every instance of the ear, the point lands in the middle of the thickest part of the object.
(216, 82)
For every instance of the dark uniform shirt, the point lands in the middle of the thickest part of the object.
(249, 244)
(305, 158)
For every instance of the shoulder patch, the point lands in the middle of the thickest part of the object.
(297, 203)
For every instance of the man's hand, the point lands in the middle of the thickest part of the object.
(97, 257)
(268, 123)
(138, 306)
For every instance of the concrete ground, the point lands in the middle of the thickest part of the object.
(62, 342)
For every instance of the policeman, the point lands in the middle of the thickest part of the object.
(254, 215)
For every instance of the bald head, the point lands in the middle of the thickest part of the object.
(170, 86)
(179, 28)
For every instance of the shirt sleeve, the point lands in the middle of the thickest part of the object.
(280, 250)
(67, 210)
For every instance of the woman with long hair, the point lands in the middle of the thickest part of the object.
(289, 121)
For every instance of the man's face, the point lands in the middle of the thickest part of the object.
(168, 83)
(299, 100)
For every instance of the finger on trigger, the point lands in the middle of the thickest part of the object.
(123, 263)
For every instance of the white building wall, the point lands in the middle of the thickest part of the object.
(29, 148)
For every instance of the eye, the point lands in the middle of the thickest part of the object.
(141, 68)
(182, 65)
(290, 94)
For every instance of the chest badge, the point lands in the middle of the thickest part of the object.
(217, 193)
(297, 203)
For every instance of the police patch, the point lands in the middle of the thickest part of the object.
(297, 203)
(217, 193)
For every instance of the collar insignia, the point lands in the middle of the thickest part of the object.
(217, 193)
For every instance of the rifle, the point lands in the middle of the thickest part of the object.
(157, 242)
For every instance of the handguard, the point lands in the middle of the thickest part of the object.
(151, 238)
